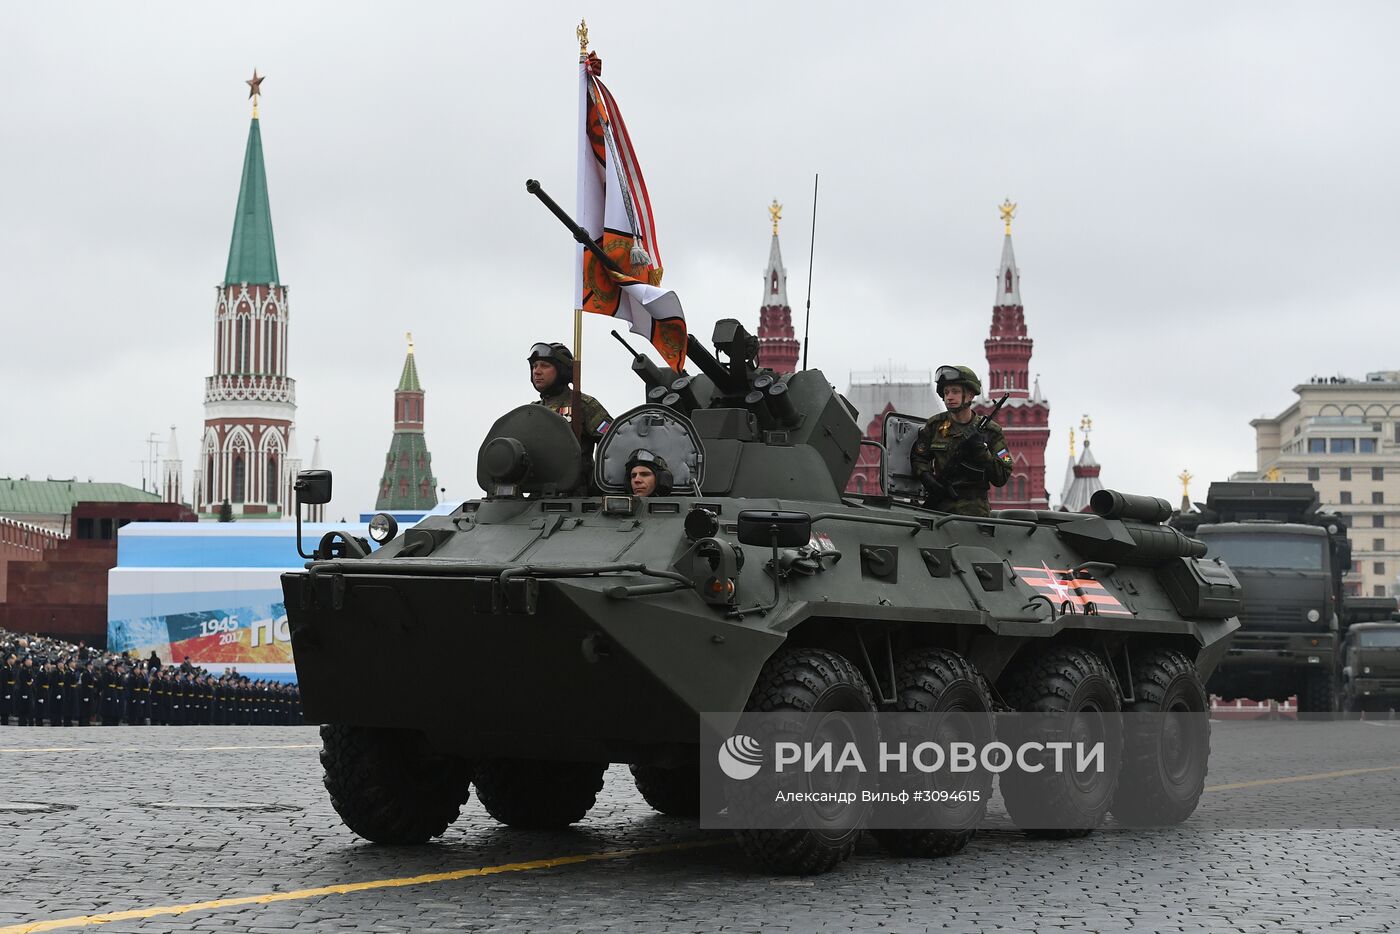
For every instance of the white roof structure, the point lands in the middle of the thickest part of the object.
(909, 392)
(1085, 483)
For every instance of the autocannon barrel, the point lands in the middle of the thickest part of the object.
(1114, 505)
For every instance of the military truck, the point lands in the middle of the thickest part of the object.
(583, 630)
(1290, 558)
(1358, 609)
(1371, 666)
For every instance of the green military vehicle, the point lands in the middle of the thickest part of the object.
(1371, 666)
(1290, 558)
(584, 630)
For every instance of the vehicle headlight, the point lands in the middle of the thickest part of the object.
(383, 527)
(1313, 615)
(1366, 670)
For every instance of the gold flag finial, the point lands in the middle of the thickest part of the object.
(582, 33)
(775, 211)
(1086, 425)
(255, 90)
(1185, 477)
(409, 335)
(1008, 211)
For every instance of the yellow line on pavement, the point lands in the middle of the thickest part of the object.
(346, 888)
(1316, 776)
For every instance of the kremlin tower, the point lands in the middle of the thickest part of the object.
(245, 457)
(777, 345)
(408, 483)
(1025, 419)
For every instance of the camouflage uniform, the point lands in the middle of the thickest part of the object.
(595, 417)
(934, 450)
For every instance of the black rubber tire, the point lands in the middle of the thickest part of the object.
(673, 792)
(535, 795)
(1055, 680)
(932, 680)
(805, 679)
(389, 786)
(1315, 696)
(1165, 759)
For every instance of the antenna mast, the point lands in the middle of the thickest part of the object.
(812, 252)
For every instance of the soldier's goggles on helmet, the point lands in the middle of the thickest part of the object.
(947, 374)
(640, 457)
(541, 351)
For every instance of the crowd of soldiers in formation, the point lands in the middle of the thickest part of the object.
(49, 682)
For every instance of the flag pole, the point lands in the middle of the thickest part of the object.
(576, 394)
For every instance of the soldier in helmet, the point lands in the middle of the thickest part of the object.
(648, 474)
(954, 461)
(551, 372)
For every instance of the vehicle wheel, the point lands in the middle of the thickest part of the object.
(806, 680)
(390, 786)
(1315, 696)
(536, 795)
(938, 681)
(1166, 742)
(674, 792)
(1062, 681)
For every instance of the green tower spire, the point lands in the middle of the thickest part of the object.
(408, 482)
(252, 256)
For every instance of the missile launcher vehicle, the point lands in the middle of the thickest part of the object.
(544, 634)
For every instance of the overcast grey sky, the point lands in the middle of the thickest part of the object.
(1207, 206)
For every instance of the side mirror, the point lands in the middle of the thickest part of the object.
(313, 487)
(759, 526)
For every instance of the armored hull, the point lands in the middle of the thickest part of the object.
(534, 635)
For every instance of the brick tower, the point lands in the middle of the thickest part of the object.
(777, 345)
(250, 401)
(1026, 416)
(408, 483)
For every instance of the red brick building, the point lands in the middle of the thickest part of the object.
(1025, 418)
(56, 585)
(777, 343)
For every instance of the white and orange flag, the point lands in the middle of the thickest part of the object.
(613, 207)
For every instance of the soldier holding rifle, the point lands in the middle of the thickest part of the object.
(957, 458)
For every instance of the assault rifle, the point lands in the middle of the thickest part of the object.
(945, 486)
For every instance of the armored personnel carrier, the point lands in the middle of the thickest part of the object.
(574, 631)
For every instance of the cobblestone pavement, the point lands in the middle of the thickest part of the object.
(144, 819)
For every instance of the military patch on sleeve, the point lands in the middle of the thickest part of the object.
(1004, 456)
(603, 427)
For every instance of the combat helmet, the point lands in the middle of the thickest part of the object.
(557, 354)
(644, 458)
(957, 375)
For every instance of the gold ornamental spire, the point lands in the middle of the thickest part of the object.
(582, 33)
(1071, 442)
(1008, 211)
(1086, 425)
(409, 335)
(255, 90)
(775, 211)
(1185, 477)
